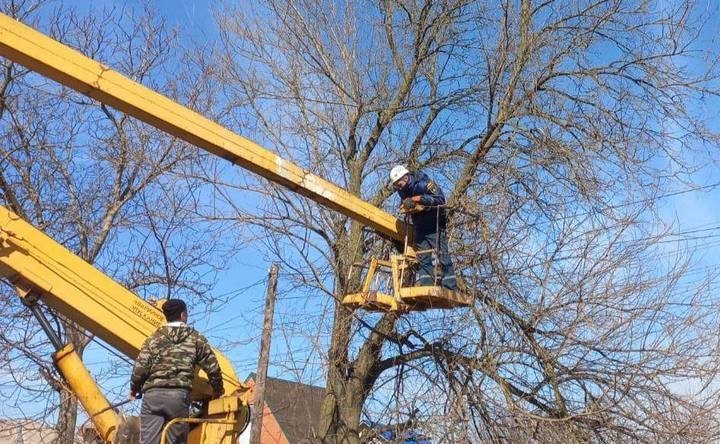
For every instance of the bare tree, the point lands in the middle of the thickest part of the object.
(553, 126)
(118, 193)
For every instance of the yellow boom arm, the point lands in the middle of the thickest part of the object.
(34, 262)
(52, 59)
(39, 267)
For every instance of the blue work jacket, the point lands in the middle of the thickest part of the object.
(432, 218)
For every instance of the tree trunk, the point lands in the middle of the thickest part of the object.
(350, 382)
(339, 421)
(341, 410)
(67, 413)
(340, 414)
(67, 418)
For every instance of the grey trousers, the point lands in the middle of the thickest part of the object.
(159, 406)
(427, 275)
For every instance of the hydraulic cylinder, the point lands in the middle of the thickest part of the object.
(87, 391)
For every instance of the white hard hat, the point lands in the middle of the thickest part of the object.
(397, 173)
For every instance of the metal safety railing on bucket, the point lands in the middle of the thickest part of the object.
(163, 435)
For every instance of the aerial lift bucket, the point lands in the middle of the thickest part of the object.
(399, 297)
(370, 298)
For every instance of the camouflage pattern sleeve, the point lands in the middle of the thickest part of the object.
(143, 364)
(208, 362)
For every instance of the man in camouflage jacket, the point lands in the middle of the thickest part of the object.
(163, 374)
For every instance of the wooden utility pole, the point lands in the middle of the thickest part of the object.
(259, 402)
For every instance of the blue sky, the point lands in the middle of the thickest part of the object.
(242, 283)
(241, 319)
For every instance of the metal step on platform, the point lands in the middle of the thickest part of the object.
(411, 299)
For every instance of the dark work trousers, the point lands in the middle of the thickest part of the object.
(445, 272)
(159, 406)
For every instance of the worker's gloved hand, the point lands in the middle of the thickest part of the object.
(408, 203)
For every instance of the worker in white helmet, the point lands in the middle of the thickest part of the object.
(424, 200)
